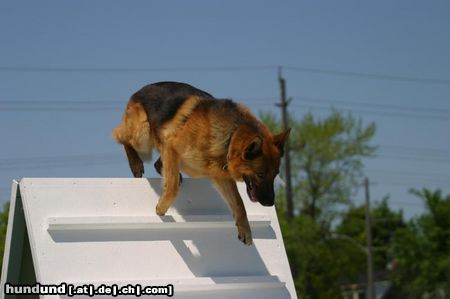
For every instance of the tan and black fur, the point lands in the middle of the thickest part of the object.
(202, 137)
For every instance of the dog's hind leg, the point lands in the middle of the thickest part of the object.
(171, 178)
(229, 191)
(136, 164)
(159, 166)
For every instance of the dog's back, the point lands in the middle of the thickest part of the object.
(148, 110)
(162, 100)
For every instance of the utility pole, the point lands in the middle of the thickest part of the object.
(287, 160)
(370, 283)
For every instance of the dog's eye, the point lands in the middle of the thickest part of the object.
(260, 175)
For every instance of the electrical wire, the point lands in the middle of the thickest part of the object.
(376, 112)
(412, 158)
(329, 72)
(74, 106)
(368, 75)
(59, 162)
(135, 69)
(377, 105)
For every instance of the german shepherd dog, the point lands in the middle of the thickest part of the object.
(202, 137)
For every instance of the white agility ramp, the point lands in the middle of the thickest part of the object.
(105, 232)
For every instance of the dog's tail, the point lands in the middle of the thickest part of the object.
(117, 134)
(123, 132)
(134, 130)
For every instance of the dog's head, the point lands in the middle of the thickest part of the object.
(255, 159)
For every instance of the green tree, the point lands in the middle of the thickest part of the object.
(326, 161)
(3, 225)
(422, 250)
(314, 256)
(326, 165)
(385, 223)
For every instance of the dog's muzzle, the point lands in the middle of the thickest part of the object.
(263, 193)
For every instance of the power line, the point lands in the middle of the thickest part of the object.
(387, 176)
(61, 165)
(414, 155)
(330, 72)
(403, 148)
(369, 75)
(373, 105)
(262, 99)
(418, 158)
(376, 112)
(409, 180)
(403, 203)
(407, 184)
(59, 102)
(74, 106)
(5, 161)
(135, 69)
(49, 105)
(410, 158)
(84, 157)
(61, 109)
(410, 174)
(380, 181)
(58, 162)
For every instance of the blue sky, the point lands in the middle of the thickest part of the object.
(56, 113)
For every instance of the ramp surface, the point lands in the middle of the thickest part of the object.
(105, 231)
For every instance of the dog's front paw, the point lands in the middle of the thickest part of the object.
(138, 170)
(245, 235)
(160, 210)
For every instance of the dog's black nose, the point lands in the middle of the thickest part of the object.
(268, 204)
(266, 196)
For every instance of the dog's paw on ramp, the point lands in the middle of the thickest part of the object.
(106, 231)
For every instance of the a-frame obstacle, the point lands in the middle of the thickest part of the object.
(93, 232)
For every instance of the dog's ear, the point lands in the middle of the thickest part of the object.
(253, 149)
(280, 139)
